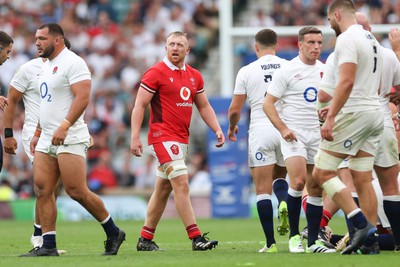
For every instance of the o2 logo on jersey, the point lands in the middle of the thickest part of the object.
(185, 93)
(310, 94)
(44, 92)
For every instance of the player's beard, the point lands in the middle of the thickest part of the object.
(46, 53)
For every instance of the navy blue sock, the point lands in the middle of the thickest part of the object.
(280, 188)
(392, 211)
(350, 226)
(386, 242)
(37, 231)
(265, 213)
(358, 220)
(49, 241)
(313, 215)
(294, 207)
(110, 228)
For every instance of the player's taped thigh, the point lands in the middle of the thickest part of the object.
(325, 161)
(333, 186)
(172, 169)
(363, 164)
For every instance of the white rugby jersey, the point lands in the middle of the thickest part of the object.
(25, 81)
(253, 81)
(296, 84)
(390, 77)
(56, 97)
(356, 45)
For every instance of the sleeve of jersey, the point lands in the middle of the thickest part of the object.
(240, 83)
(78, 71)
(200, 83)
(20, 81)
(150, 80)
(346, 51)
(278, 84)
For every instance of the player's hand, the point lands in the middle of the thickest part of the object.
(288, 135)
(3, 103)
(394, 97)
(327, 129)
(220, 137)
(136, 147)
(33, 144)
(10, 145)
(231, 133)
(59, 136)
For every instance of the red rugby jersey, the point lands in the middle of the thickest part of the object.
(172, 103)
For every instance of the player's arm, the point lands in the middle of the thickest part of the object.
(347, 74)
(234, 115)
(272, 114)
(81, 92)
(207, 113)
(10, 144)
(143, 99)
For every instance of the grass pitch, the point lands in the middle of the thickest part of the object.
(239, 242)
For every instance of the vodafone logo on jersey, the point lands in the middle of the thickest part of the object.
(185, 93)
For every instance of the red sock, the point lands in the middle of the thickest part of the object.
(326, 217)
(304, 202)
(147, 233)
(193, 231)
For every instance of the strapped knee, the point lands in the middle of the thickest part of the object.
(364, 164)
(333, 186)
(173, 169)
(325, 161)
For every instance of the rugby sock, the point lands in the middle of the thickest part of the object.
(350, 226)
(147, 233)
(294, 207)
(49, 240)
(265, 213)
(37, 230)
(193, 231)
(386, 242)
(304, 202)
(110, 228)
(326, 217)
(280, 187)
(357, 219)
(313, 215)
(391, 206)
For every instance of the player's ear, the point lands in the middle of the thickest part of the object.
(187, 51)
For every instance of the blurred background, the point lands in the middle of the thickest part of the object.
(119, 40)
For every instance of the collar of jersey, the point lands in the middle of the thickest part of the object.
(172, 66)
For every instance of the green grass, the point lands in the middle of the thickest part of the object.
(239, 241)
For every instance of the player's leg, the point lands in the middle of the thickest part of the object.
(46, 173)
(326, 163)
(262, 178)
(72, 164)
(297, 171)
(388, 180)
(314, 213)
(155, 209)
